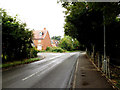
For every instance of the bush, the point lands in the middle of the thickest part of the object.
(57, 49)
(17, 39)
(49, 49)
(34, 52)
(42, 50)
(66, 43)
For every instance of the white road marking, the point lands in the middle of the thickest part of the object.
(44, 67)
(83, 53)
(55, 57)
(29, 76)
(75, 75)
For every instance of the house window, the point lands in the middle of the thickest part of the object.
(40, 34)
(39, 41)
(39, 47)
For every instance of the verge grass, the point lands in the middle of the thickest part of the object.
(14, 63)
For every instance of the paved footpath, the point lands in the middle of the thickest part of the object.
(87, 76)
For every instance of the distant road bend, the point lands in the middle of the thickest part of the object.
(55, 71)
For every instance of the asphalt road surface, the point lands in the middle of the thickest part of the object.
(55, 71)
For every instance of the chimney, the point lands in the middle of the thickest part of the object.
(44, 28)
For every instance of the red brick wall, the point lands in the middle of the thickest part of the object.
(46, 42)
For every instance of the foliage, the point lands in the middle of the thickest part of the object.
(69, 44)
(110, 10)
(56, 38)
(85, 22)
(16, 39)
(42, 51)
(76, 44)
(55, 49)
(118, 83)
(49, 49)
(66, 43)
(33, 52)
(14, 63)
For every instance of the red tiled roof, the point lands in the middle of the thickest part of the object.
(37, 34)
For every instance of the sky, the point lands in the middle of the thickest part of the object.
(38, 14)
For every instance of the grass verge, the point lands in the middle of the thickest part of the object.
(118, 83)
(73, 51)
(14, 63)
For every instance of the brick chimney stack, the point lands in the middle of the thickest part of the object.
(44, 28)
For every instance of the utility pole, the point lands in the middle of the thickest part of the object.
(104, 38)
(104, 61)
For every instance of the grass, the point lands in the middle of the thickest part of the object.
(14, 63)
(116, 80)
(118, 83)
(65, 51)
(73, 51)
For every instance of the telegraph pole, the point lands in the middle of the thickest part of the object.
(104, 38)
(104, 61)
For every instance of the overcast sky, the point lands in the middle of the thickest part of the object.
(37, 14)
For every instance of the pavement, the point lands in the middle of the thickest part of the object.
(87, 77)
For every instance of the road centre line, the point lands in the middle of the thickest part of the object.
(38, 71)
(29, 76)
(42, 68)
(55, 57)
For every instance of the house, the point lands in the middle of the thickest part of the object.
(54, 43)
(41, 39)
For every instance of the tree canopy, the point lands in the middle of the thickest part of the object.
(16, 38)
(85, 22)
(69, 44)
(56, 38)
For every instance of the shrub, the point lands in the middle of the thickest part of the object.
(34, 52)
(49, 49)
(66, 43)
(42, 50)
(17, 39)
(57, 49)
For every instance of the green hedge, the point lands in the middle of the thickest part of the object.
(34, 52)
(55, 49)
(49, 49)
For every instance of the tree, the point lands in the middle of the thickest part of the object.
(56, 38)
(84, 21)
(76, 44)
(66, 43)
(83, 24)
(16, 39)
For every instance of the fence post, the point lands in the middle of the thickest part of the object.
(98, 61)
(92, 55)
(103, 64)
(108, 67)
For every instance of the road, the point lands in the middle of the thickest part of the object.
(55, 71)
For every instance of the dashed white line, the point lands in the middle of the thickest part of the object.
(38, 71)
(55, 57)
(29, 76)
(44, 67)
